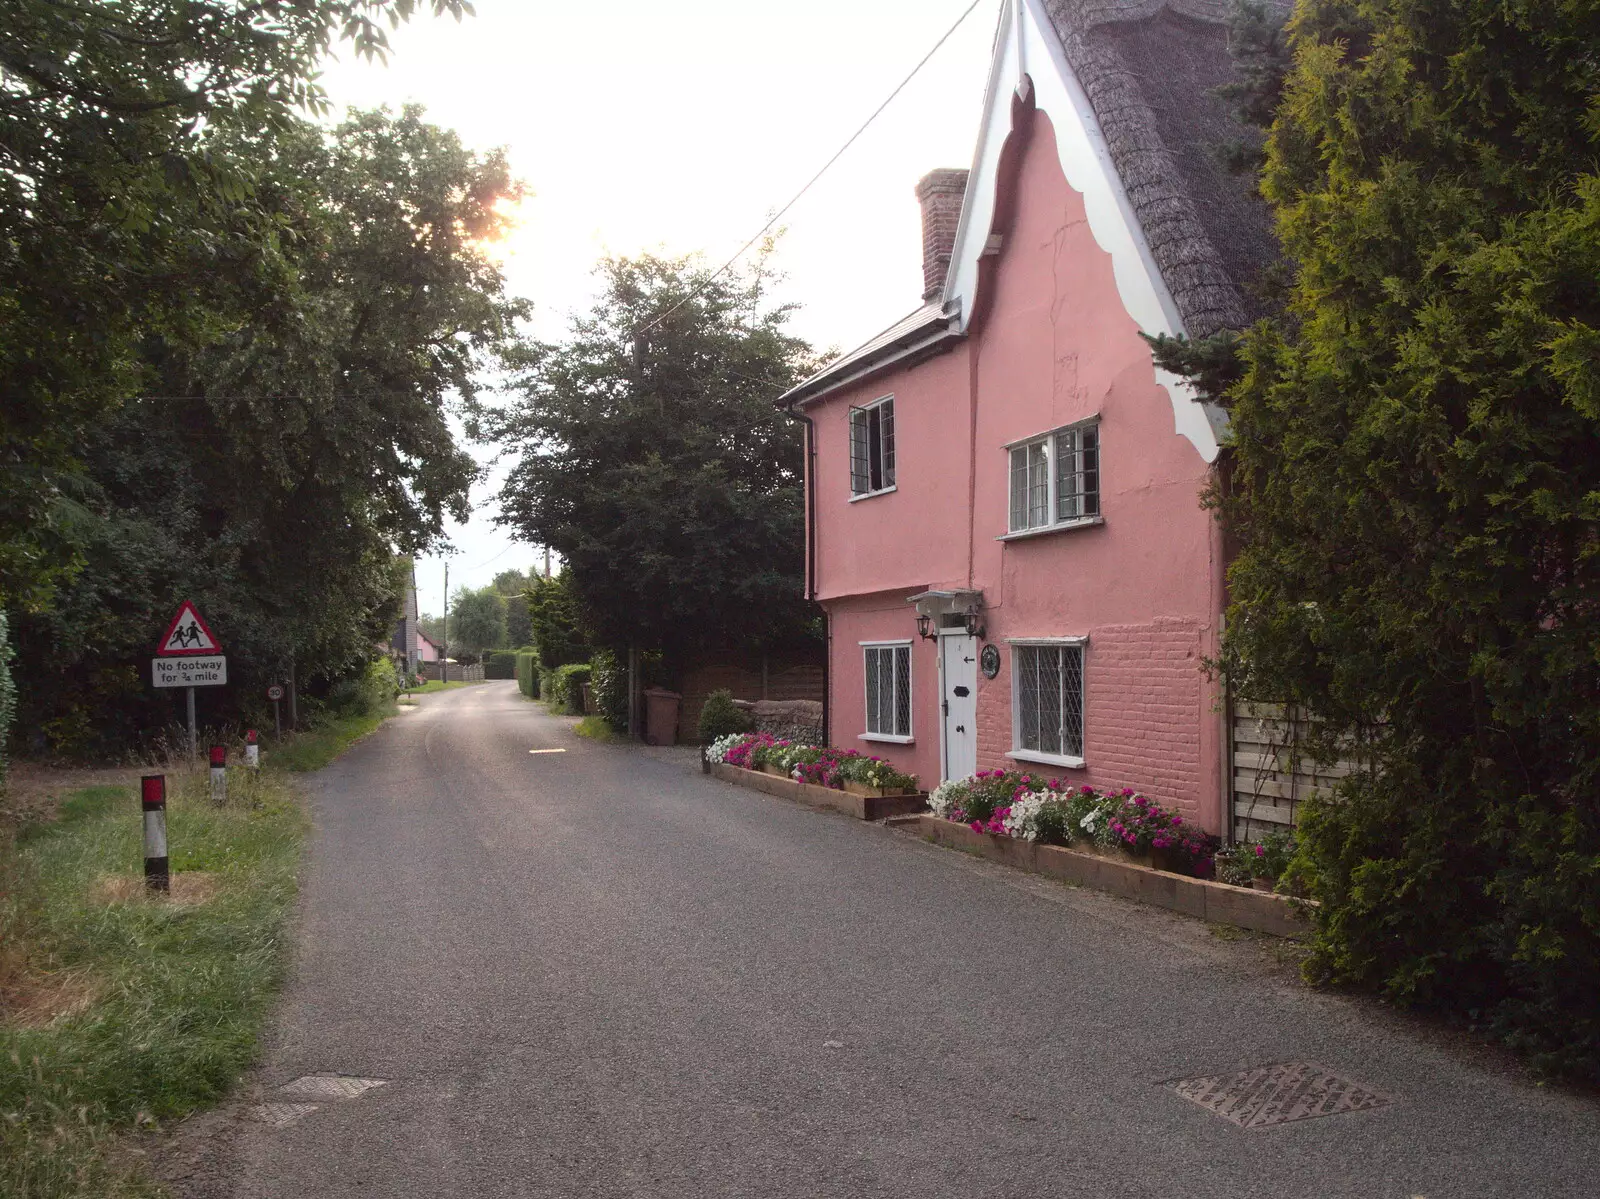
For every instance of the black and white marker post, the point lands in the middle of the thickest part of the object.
(219, 774)
(252, 750)
(153, 799)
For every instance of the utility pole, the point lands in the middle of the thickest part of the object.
(547, 561)
(444, 650)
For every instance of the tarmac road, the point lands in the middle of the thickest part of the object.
(599, 973)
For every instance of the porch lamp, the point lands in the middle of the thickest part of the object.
(924, 626)
(973, 620)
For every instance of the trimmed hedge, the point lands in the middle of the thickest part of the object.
(500, 665)
(527, 670)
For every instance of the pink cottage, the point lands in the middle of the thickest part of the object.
(1004, 493)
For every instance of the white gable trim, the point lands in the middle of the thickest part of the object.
(1027, 53)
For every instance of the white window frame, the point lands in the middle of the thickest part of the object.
(886, 449)
(1049, 443)
(908, 736)
(1020, 754)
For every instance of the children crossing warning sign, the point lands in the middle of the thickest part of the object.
(187, 634)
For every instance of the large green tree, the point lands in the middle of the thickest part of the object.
(512, 587)
(653, 461)
(273, 472)
(123, 200)
(1414, 487)
(477, 621)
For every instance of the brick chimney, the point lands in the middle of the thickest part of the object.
(939, 192)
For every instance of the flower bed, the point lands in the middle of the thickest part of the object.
(818, 765)
(1008, 803)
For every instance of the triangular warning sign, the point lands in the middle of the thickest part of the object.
(187, 634)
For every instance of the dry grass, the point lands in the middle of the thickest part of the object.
(189, 888)
(34, 999)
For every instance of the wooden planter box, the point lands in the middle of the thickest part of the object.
(1219, 902)
(856, 788)
(862, 807)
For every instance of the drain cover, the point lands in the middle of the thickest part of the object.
(1268, 1095)
(330, 1086)
(281, 1115)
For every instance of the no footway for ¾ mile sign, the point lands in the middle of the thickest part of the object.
(189, 654)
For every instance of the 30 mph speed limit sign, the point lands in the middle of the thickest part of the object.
(275, 692)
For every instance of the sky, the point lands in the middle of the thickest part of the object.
(681, 128)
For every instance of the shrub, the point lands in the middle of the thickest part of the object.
(565, 688)
(366, 693)
(719, 717)
(608, 680)
(500, 665)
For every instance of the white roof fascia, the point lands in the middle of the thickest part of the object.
(874, 364)
(1027, 51)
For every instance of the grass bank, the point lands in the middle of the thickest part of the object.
(119, 1011)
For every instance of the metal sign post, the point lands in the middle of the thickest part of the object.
(275, 693)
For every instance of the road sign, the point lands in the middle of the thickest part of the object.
(189, 672)
(275, 692)
(188, 635)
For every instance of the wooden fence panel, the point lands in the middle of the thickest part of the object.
(1269, 771)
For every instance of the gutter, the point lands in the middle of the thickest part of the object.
(814, 389)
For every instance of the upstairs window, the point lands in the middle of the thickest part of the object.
(872, 447)
(1055, 479)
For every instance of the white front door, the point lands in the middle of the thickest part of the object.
(958, 686)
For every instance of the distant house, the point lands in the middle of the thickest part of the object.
(403, 642)
(426, 649)
(1003, 492)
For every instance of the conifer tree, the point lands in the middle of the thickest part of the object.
(1415, 486)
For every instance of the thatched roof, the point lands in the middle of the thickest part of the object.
(1149, 68)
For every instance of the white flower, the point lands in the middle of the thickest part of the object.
(718, 749)
(948, 796)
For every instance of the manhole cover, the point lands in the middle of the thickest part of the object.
(281, 1115)
(1268, 1095)
(330, 1086)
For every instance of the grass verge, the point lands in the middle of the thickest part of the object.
(596, 729)
(433, 685)
(315, 748)
(122, 1011)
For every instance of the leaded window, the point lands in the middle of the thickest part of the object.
(872, 447)
(888, 675)
(1048, 712)
(1055, 479)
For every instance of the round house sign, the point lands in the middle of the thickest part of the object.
(990, 661)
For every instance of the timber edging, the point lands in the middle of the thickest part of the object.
(862, 807)
(1218, 902)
